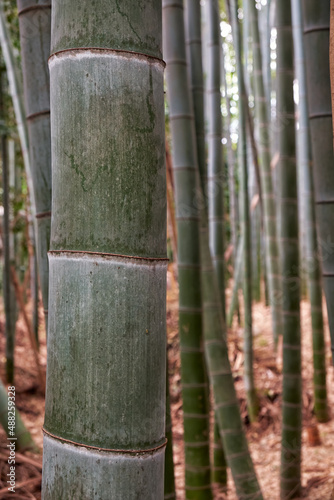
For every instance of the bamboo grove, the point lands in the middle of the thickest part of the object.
(206, 121)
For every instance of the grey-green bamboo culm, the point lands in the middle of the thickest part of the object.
(104, 430)
(35, 34)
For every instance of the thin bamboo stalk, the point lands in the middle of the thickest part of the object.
(268, 195)
(236, 282)
(211, 177)
(252, 403)
(105, 398)
(306, 193)
(193, 369)
(231, 162)
(8, 297)
(32, 338)
(215, 150)
(35, 33)
(292, 383)
(194, 56)
(316, 22)
(16, 95)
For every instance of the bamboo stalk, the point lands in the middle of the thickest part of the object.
(316, 22)
(252, 403)
(106, 368)
(193, 369)
(16, 94)
(215, 184)
(32, 338)
(292, 383)
(306, 188)
(268, 195)
(35, 33)
(9, 303)
(195, 66)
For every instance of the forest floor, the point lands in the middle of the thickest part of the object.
(263, 436)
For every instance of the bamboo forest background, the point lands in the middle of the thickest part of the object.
(250, 241)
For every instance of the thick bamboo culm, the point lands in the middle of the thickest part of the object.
(104, 430)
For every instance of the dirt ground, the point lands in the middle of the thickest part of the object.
(264, 436)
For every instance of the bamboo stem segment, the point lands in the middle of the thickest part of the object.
(107, 329)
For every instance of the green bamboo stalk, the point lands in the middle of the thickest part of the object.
(169, 489)
(316, 36)
(292, 384)
(226, 403)
(105, 399)
(35, 32)
(192, 15)
(219, 466)
(12, 253)
(16, 95)
(230, 157)
(9, 303)
(268, 196)
(215, 150)
(23, 441)
(211, 181)
(307, 195)
(193, 369)
(236, 282)
(252, 403)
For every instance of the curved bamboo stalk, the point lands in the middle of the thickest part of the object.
(193, 369)
(307, 195)
(268, 196)
(226, 403)
(292, 384)
(252, 403)
(35, 33)
(105, 402)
